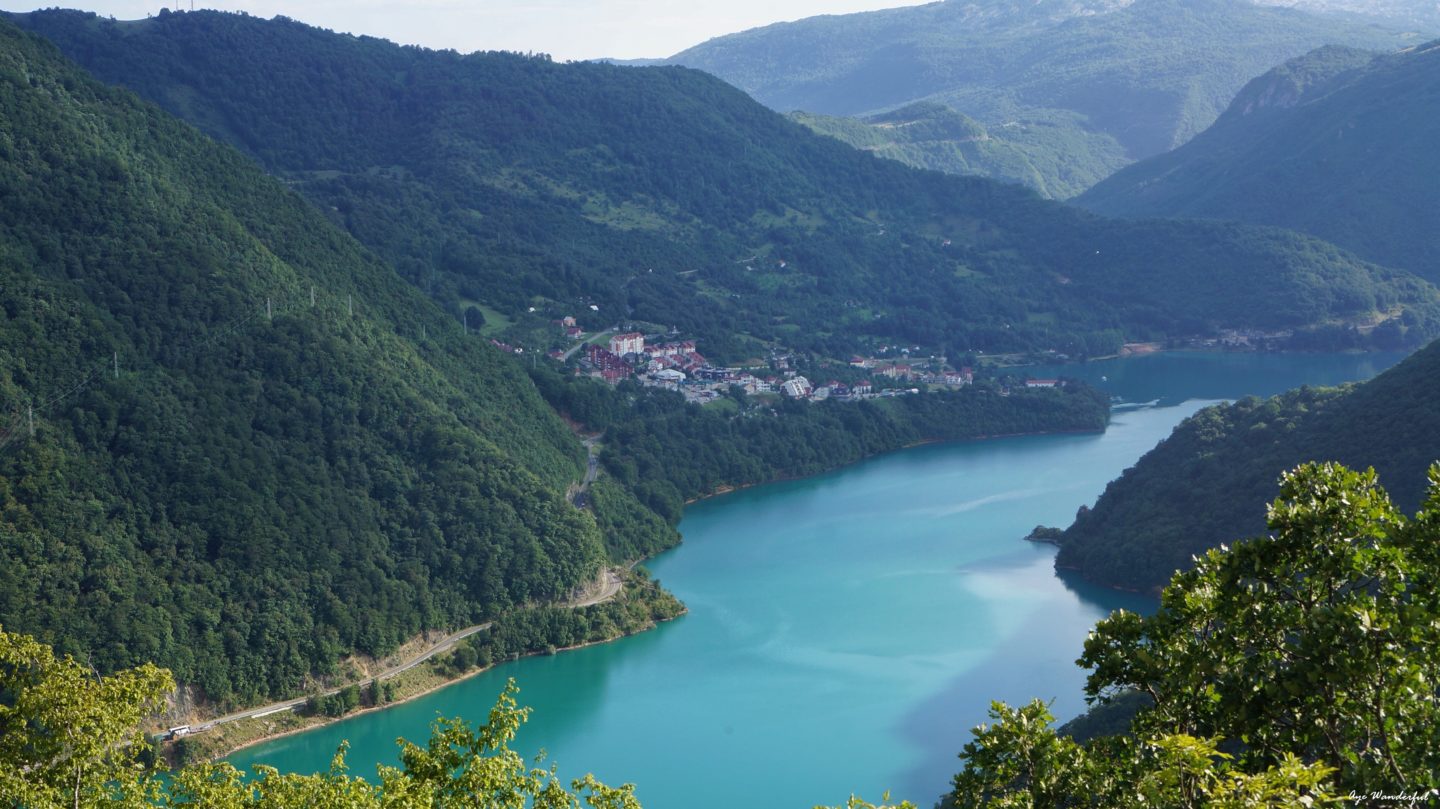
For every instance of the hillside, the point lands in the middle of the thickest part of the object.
(1208, 482)
(1338, 143)
(1423, 15)
(1092, 81)
(235, 442)
(502, 184)
(929, 135)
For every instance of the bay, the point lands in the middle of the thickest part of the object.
(845, 631)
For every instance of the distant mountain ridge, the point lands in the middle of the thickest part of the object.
(1425, 14)
(539, 190)
(1208, 482)
(1338, 143)
(1138, 77)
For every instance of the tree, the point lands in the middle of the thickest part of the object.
(69, 737)
(1280, 672)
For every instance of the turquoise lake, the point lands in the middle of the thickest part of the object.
(845, 631)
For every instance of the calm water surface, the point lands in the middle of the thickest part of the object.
(845, 632)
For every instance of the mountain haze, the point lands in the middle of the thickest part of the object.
(1424, 15)
(1098, 79)
(1338, 143)
(510, 183)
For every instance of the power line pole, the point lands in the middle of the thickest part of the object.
(268, 315)
(117, 364)
(312, 296)
(350, 305)
(32, 421)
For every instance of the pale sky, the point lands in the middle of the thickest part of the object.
(565, 29)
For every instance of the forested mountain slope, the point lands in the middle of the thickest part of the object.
(235, 442)
(1338, 143)
(1097, 82)
(666, 195)
(1208, 482)
(930, 135)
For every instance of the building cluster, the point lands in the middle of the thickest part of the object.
(1246, 338)
(601, 362)
(678, 366)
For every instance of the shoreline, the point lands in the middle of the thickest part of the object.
(729, 488)
(722, 490)
(327, 721)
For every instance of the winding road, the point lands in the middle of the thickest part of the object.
(588, 340)
(606, 588)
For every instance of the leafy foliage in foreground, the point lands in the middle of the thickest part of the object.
(68, 738)
(244, 499)
(1338, 144)
(1285, 671)
(665, 195)
(1202, 485)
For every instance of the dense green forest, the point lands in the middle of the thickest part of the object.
(234, 442)
(1091, 81)
(510, 183)
(928, 135)
(1338, 143)
(669, 452)
(1249, 700)
(1208, 481)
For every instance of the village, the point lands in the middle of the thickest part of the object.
(660, 361)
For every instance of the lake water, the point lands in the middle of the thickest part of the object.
(846, 631)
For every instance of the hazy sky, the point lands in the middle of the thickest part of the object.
(565, 29)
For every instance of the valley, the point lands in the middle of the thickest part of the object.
(343, 381)
(860, 619)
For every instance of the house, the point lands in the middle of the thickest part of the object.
(568, 321)
(627, 343)
(796, 387)
(574, 332)
(606, 364)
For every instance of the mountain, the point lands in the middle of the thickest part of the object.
(1338, 143)
(503, 184)
(1208, 482)
(234, 441)
(930, 135)
(1422, 14)
(1096, 80)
